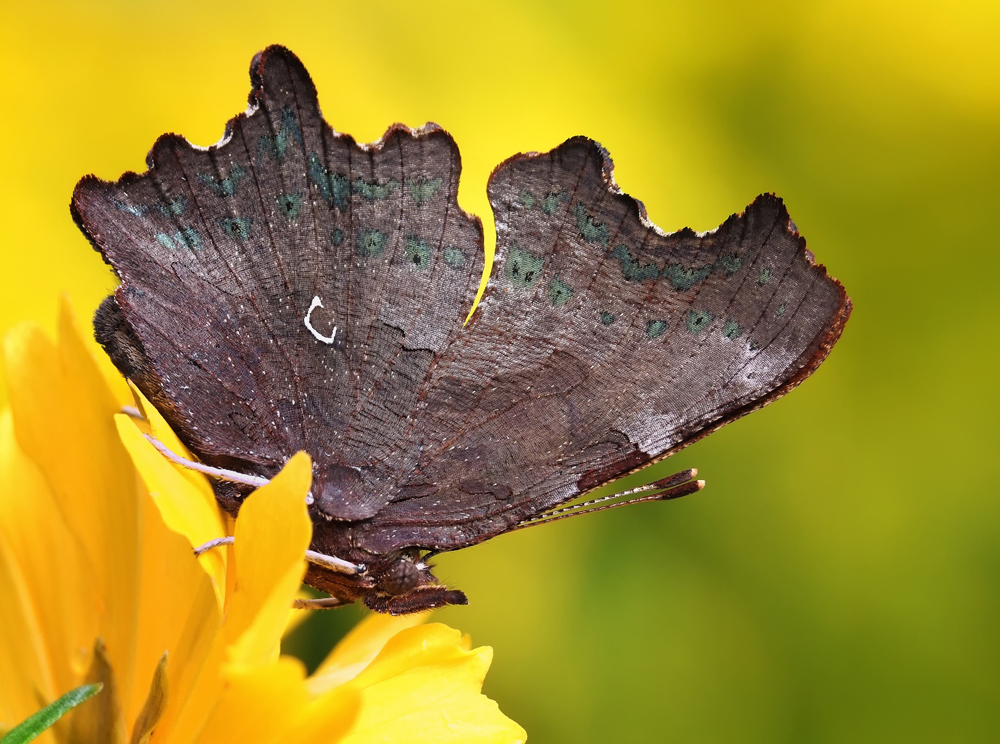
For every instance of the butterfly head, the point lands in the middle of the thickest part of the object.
(402, 583)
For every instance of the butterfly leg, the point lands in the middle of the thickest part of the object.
(230, 475)
(211, 544)
(319, 603)
(329, 562)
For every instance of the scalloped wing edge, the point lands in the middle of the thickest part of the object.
(257, 72)
(809, 361)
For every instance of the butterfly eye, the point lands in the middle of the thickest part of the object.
(401, 577)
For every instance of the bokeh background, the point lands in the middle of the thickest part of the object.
(839, 579)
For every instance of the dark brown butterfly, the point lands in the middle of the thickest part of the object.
(287, 289)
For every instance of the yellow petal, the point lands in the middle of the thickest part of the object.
(171, 611)
(270, 704)
(194, 674)
(324, 719)
(62, 411)
(23, 665)
(359, 647)
(181, 505)
(50, 570)
(425, 687)
(160, 429)
(272, 534)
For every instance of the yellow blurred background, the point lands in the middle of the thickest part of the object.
(839, 579)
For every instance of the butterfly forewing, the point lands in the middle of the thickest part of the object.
(224, 251)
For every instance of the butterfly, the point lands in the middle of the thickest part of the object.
(289, 289)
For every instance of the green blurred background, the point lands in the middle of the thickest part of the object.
(839, 579)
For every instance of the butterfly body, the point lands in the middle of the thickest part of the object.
(288, 289)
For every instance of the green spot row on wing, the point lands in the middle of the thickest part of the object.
(422, 189)
(370, 243)
(237, 228)
(682, 279)
(559, 292)
(276, 145)
(522, 267)
(591, 230)
(656, 328)
(632, 270)
(418, 255)
(289, 205)
(698, 320)
(333, 187)
(453, 257)
(186, 237)
(224, 186)
(373, 190)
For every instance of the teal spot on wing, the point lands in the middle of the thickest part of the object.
(337, 236)
(559, 292)
(186, 237)
(189, 236)
(632, 270)
(418, 255)
(683, 279)
(370, 243)
(335, 188)
(655, 328)
(289, 205)
(550, 202)
(136, 210)
(224, 186)
(698, 320)
(729, 263)
(454, 257)
(607, 318)
(237, 228)
(732, 330)
(276, 145)
(764, 276)
(591, 230)
(422, 189)
(522, 267)
(373, 190)
(175, 208)
(527, 199)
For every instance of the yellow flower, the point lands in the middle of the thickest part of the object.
(98, 584)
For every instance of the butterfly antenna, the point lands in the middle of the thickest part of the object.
(672, 487)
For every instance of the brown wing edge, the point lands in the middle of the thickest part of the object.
(806, 364)
(608, 175)
(258, 72)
